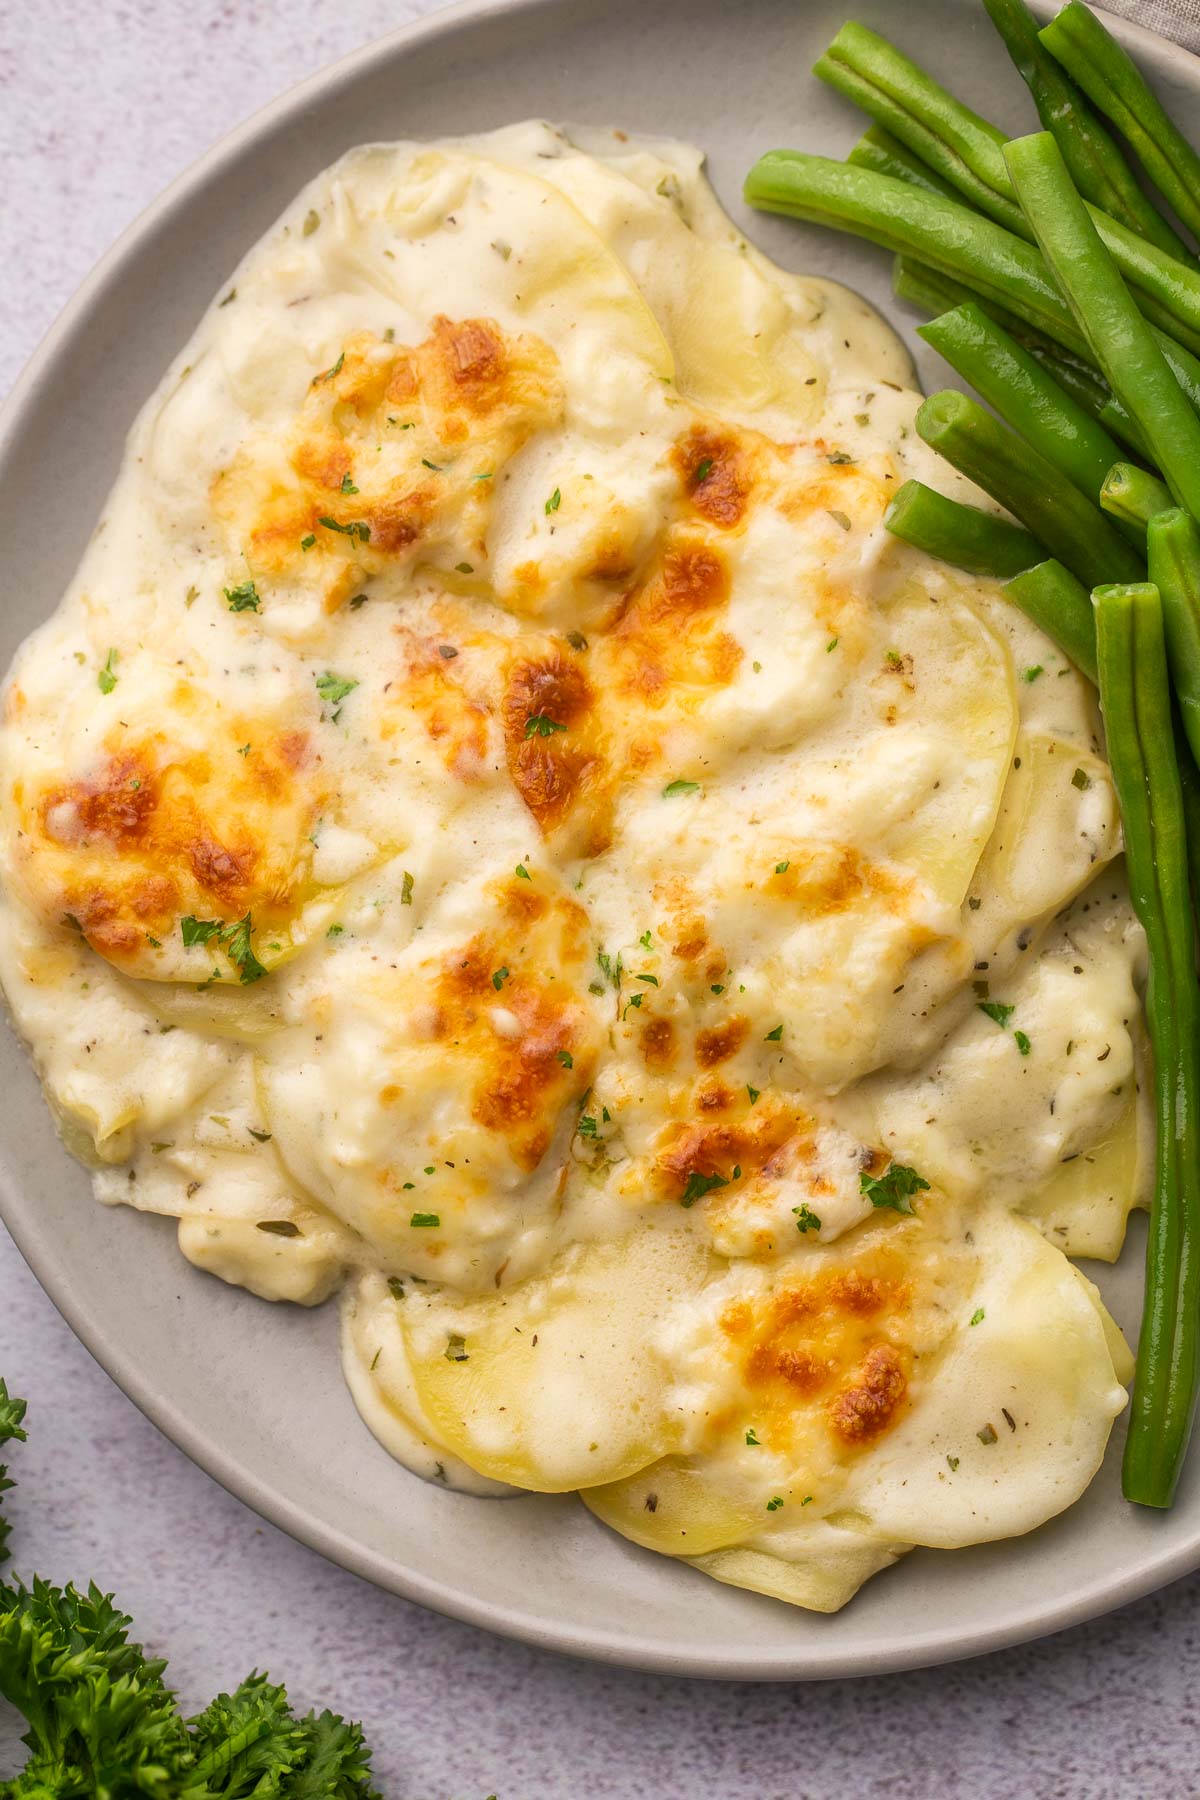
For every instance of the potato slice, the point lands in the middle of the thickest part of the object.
(558, 1384)
(1056, 824)
(1084, 1206)
(950, 674)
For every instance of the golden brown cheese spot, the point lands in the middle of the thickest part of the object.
(823, 879)
(714, 465)
(716, 1145)
(657, 1040)
(395, 452)
(667, 645)
(553, 740)
(506, 1004)
(869, 1403)
(717, 1043)
(157, 831)
(438, 687)
(833, 1339)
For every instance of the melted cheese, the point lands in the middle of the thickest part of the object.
(498, 825)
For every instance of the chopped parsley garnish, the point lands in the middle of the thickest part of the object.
(464, 568)
(306, 543)
(486, 476)
(997, 1012)
(522, 873)
(395, 1287)
(781, 868)
(831, 645)
(312, 219)
(611, 967)
(243, 598)
(838, 456)
(645, 940)
(499, 977)
(839, 518)
(652, 980)
(233, 937)
(335, 931)
(106, 680)
(774, 1037)
(587, 1126)
(752, 1436)
(774, 1503)
(406, 889)
(894, 1188)
(260, 1137)
(542, 725)
(699, 1184)
(555, 501)
(355, 528)
(987, 1435)
(1022, 1042)
(806, 1220)
(634, 1000)
(456, 1348)
(333, 690)
(279, 1227)
(436, 467)
(348, 486)
(977, 1317)
(702, 471)
(1032, 673)
(330, 373)
(680, 787)
(718, 987)
(1081, 780)
(753, 1093)
(953, 1462)
(358, 600)
(424, 1221)
(566, 1059)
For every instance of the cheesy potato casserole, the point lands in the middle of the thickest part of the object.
(499, 829)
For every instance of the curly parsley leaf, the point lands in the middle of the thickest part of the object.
(232, 936)
(699, 1184)
(12, 1411)
(243, 598)
(894, 1188)
(541, 725)
(333, 690)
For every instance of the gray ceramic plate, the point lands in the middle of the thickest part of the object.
(254, 1393)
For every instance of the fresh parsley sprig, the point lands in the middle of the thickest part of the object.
(102, 1720)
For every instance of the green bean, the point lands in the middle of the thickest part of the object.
(1114, 418)
(1097, 166)
(941, 233)
(877, 149)
(1004, 271)
(1061, 607)
(1135, 699)
(1113, 82)
(1124, 345)
(1131, 495)
(965, 536)
(1072, 528)
(1173, 551)
(948, 137)
(935, 293)
(1016, 386)
(968, 152)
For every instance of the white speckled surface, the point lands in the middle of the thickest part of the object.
(103, 102)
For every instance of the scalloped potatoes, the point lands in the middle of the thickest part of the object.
(497, 825)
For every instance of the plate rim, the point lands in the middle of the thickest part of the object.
(103, 1342)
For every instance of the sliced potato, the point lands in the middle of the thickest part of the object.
(557, 1384)
(959, 690)
(821, 1582)
(675, 1507)
(1057, 823)
(1084, 1206)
